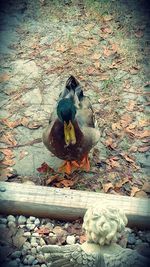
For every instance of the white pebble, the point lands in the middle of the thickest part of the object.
(31, 259)
(37, 222)
(38, 248)
(32, 218)
(35, 262)
(35, 235)
(16, 254)
(11, 218)
(22, 219)
(27, 245)
(43, 265)
(70, 239)
(42, 242)
(30, 226)
(11, 224)
(27, 234)
(34, 244)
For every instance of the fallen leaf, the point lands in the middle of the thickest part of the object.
(52, 178)
(134, 190)
(8, 162)
(106, 30)
(143, 122)
(8, 139)
(43, 231)
(5, 174)
(110, 143)
(7, 152)
(146, 187)
(116, 126)
(126, 119)
(34, 125)
(11, 124)
(143, 134)
(65, 183)
(45, 168)
(107, 186)
(130, 106)
(19, 239)
(144, 149)
(96, 56)
(127, 157)
(90, 70)
(141, 194)
(22, 154)
(134, 70)
(113, 162)
(133, 148)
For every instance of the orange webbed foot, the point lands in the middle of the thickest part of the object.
(70, 166)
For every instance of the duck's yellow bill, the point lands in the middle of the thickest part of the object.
(69, 133)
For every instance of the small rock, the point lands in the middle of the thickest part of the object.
(138, 242)
(37, 222)
(11, 218)
(30, 226)
(33, 250)
(22, 219)
(66, 225)
(131, 239)
(27, 245)
(36, 235)
(34, 244)
(38, 248)
(27, 234)
(52, 240)
(11, 224)
(32, 218)
(25, 261)
(40, 258)
(31, 259)
(42, 242)
(2, 226)
(12, 263)
(43, 265)
(16, 254)
(3, 220)
(70, 239)
(35, 262)
(24, 251)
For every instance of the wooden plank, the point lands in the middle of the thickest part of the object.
(68, 204)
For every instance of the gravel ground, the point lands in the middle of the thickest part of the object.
(21, 239)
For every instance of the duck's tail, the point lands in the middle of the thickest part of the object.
(72, 84)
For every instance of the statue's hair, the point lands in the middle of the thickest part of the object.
(104, 225)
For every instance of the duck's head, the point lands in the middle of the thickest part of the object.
(66, 112)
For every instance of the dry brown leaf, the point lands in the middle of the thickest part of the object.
(106, 30)
(146, 187)
(116, 126)
(144, 149)
(7, 152)
(134, 70)
(141, 194)
(143, 134)
(127, 157)
(107, 186)
(126, 119)
(65, 183)
(133, 148)
(8, 162)
(43, 231)
(8, 139)
(97, 64)
(134, 190)
(33, 125)
(96, 56)
(4, 77)
(103, 77)
(130, 106)
(113, 162)
(22, 154)
(107, 52)
(110, 143)
(52, 178)
(11, 124)
(120, 183)
(143, 122)
(5, 174)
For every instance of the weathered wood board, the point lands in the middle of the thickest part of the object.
(68, 204)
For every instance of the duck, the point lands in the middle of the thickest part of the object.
(72, 131)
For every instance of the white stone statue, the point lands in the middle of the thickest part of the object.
(103, 226)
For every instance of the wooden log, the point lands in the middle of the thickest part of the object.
(68, 204)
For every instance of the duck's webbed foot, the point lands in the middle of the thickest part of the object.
(70, 166)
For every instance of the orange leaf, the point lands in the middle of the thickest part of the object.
(52, 178)
(66, 183)
(107, 186)
(126, 119)
(7, 152)
(143, 134)
(43, 231)
(109, 143)
(8, 162)
(134, 190)
(8, 139)
(11, 124)
(144, 149)
(116, 126)
(127, 158)
(82, 239)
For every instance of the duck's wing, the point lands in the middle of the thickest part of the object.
(71, 256)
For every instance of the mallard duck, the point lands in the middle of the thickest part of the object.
(71, 133)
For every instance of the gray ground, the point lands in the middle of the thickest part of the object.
(41, 45)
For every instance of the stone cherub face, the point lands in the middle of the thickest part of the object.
(104, 226)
